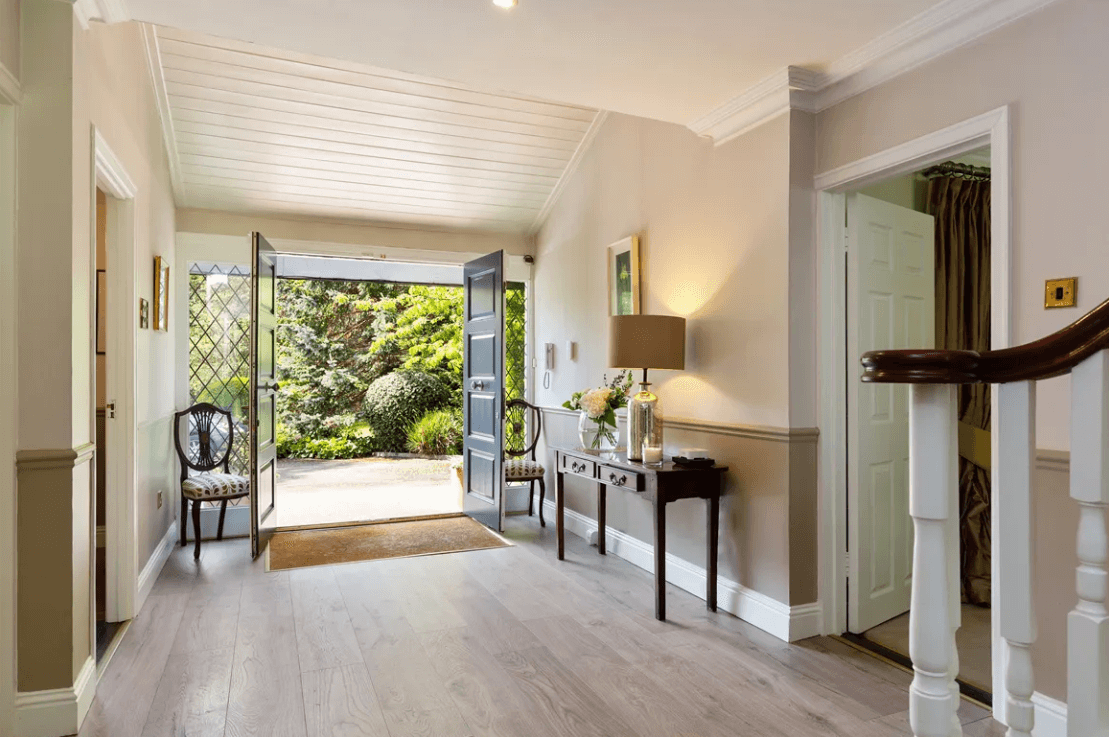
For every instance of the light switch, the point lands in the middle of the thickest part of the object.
(1061, 292)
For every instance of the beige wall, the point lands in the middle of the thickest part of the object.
(716, 247)
(354, 234)
(9, 36)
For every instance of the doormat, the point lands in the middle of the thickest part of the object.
(306, 548)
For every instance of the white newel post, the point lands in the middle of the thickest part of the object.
(934, 506)
(1016, 548)
(1088, 624)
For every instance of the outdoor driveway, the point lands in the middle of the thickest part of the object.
(311, 492)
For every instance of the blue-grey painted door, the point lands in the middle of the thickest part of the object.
(483, 390)
(263, 395)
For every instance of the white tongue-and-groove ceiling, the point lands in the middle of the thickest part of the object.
(265, 131)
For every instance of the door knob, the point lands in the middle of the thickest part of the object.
(477, 385)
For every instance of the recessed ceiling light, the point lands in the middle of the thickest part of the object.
(505, 3)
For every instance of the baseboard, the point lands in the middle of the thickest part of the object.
(154, 566)
(1051, 716)
(59, 711)
(781, 620)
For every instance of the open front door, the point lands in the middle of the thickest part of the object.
(892, 285)
(263, 394)
(483, 390)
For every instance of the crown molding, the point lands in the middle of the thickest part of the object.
(165, 114)
(105, 11)
(939, 30)
(571, 166)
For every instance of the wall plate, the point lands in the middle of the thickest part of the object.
(1061, 292)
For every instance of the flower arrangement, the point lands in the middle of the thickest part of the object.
(600, 405)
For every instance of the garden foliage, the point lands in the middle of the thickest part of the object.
(396, 401)
(437, 433)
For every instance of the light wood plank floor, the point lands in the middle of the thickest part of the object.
(507, 642)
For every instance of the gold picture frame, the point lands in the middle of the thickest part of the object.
(161, 294)
(623, 277)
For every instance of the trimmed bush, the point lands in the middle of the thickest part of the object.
(396, 401)
(356, 441)
(438, 433)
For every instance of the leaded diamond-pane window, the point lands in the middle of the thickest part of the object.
(219, 347)
(516, 341)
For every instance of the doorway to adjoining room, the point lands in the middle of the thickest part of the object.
(918, 277)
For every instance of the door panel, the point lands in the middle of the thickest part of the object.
(263, 395)
(891, 283)
(483, 389)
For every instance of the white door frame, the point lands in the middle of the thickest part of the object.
(836, 368)
(9, 112)
(121, 521)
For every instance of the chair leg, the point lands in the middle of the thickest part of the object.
(542, 493)
(531, 495)
(184, 520)
(222, 514)
(196, 527)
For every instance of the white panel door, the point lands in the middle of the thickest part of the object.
(891, 304)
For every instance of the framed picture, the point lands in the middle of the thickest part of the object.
(101, 307)
(144, 313)
(161, 294)
(623, 277)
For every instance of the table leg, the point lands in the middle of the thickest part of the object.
(713, 537)
(560, 507)
(660, 561)
(602, 492)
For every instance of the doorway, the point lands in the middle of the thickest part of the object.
(918, 276)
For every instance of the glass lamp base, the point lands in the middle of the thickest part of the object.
(644, 422)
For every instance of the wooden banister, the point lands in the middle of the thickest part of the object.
(1054, 355)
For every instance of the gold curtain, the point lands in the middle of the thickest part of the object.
(959, 199)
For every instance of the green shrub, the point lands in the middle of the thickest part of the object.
(438, 433)
(355, 441)
(397, 400)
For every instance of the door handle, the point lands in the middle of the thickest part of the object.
(477, 385)
(270, 387)
(110, 410)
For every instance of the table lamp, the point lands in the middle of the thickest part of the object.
(646, 342)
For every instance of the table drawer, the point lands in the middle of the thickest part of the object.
(579, 467)
(625, 479)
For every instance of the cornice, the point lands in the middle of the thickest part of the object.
(105, 11)
(165, 113)
(571, 166)
(939, 30)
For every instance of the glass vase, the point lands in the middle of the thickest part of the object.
(597, 434)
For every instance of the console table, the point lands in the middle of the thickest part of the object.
(659, 485)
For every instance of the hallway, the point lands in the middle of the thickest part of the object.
(501, 642)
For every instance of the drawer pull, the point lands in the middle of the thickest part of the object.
(618, 481)
(577, 467)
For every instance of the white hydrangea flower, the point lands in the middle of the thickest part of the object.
(595, 402)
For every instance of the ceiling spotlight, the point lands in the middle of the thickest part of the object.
(505, 3)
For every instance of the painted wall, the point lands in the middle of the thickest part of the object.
(9, 36)
(715, 237)
(354, 234)
(1059, 157)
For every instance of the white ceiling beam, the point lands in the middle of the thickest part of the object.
(939, 30)
(165, 114)
(105, 11)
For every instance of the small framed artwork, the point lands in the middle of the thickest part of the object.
(101, 307)
(144, 313)
(161, 294)
(623, 277)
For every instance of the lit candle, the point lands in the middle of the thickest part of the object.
(652, 455)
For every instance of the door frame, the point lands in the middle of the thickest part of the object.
(121, 586)
(831, 187)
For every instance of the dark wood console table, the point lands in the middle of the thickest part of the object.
(660, 485)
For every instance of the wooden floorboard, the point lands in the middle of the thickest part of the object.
(495, 643)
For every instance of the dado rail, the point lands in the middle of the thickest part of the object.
(1080, 350)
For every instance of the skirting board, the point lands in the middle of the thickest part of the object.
(1050, 715)
(781, 620)
(59, 711)
(154, 566)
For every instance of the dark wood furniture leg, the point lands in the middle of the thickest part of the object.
(184, 520)
(559, 514)
(542, 495)
(602, 492)
(222, 514)
(713, 535)
(196, 526)
(531, 497)
(660, 561)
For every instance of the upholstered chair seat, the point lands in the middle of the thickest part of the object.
(522, 469)
(215, 486)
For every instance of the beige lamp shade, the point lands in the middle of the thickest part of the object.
(647, 342)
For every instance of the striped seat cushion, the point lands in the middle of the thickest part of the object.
(215, 486)
(521, 468)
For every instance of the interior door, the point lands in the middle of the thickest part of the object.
(263, 394)
(483, 390)
(891, 290)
